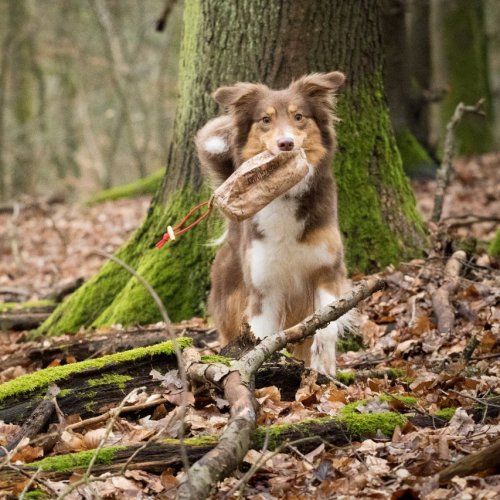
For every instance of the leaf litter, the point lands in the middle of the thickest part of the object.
(398, 329)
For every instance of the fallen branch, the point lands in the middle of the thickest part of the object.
(237, 382)
(441, 300)
(35, 422)
(486, 459)
(443, 174)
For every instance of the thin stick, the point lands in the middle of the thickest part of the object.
(178, 353)
(444, 172)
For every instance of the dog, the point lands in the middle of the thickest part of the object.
(280, 265)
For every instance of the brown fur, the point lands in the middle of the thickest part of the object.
(257, 118)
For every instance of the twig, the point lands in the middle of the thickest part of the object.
(32, 479)
(468, 220)
(444, 172)
(161, 22)
(109, 413)
(86, 476)
(441, 300)
(36, 420)
(477, 400)
(178, 353)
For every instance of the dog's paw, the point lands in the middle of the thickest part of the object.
(323, 350)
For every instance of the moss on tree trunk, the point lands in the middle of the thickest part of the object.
(272, 42)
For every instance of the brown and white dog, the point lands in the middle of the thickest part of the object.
(278, 266)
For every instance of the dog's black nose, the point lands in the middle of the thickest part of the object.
(285, 143)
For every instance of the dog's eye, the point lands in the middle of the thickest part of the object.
(266, 120)
(298, 117)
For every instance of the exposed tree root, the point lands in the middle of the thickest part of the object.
(487, 459)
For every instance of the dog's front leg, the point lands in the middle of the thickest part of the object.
(264, 312)
(323, 351)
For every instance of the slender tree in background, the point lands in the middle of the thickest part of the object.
(459, 59)
(492, 15)
(400, 86)
(23, 84)
(272, 42)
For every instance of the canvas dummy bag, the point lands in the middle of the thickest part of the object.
(259, 181)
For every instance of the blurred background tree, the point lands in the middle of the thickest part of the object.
(87, 87)
(87, 94)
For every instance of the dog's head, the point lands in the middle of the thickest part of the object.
(299, 116)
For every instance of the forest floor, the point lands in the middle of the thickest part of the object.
(455, 375)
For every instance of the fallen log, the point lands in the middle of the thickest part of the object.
(89, 386)
(157, 456)
(484, 460)
(86, 345)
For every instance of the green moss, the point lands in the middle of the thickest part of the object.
(72, 461)
(416, 160)
(377, 212)
(275, 432)
(350, 341)
(141, 187)
(406, 400)
(9, 306)
(110, 378)
(64, 393)
(347, 377)
(394, 373)
(43, 378)
(179, 272)
(446, 413)
(494, 247)
(215, 358)
(194, 441)
(36, 494)
(367, 424)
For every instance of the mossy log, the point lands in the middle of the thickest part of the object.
(85, 345)
(148, 185)
(341, 430)
(89, 385)
(158, 456)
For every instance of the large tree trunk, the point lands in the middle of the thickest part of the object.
(460, 65)
(273, 42)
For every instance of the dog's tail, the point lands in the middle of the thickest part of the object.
(213, 144)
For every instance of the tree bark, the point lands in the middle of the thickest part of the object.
(271, 42)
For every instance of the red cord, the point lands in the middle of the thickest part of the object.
(176, 229)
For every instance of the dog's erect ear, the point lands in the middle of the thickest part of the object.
(236, 94)
(320, 82)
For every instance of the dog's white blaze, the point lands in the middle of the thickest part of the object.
(279, 263)
(215, 145)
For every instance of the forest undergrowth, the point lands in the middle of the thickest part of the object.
(407, 371)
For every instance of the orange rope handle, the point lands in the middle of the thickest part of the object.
(173, 232)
